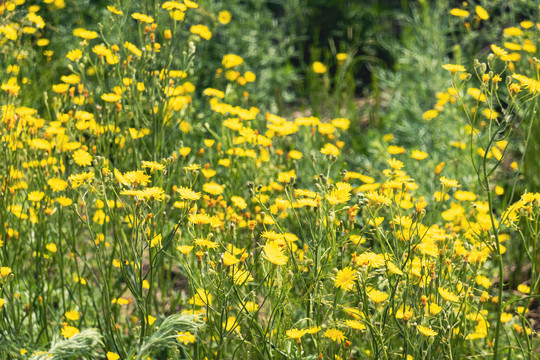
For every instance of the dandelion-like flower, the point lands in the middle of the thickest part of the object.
(345, 278)
(335, 335)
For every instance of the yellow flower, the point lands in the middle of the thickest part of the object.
(231, 60)
(142, 17)
(152, 165)
(36, 196)
(449, 183)
(355, 324)
(506, 317)
(72, 315)
(213, 188)
(430, 115)
(498, 51)
(419, 155)
(459, 13)
(188, 194)
(224, 17)
(133, 49)
(524, 289)
(454, 68)
(184, 249)
(274, 253)
(319, 67)
(483, 281)
(85, 34)
(5, 271)
(377, 296)
(448, 295)
(426, 331)
(513, 31)
(335, 335)
(69, 331)
(345, 278)
(481, 12)
(57, 184)
(185, 338)
(111, 97)
(51, 247)
(229, 259)
(112, 356)
(82, 158)
(202, 31)
(295, 333)
(60, 88)
(114, 10)
(330, 149)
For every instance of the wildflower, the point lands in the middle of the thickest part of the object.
(355, 324)
(330, 149)
(454, 68)
(143, 18)
(345, 278)
(69, 331)
(185, 338)
(202, 31)
(498, 51)
(188, 194)
(426, 331)
(239, 202)
(60, 88)
(224, 17)
(2, 302)
(512, 31)
(133, 49)
(430, 115)
(295, 334)
(448, 295)
(114, 10)
(213, 188)
(192, 167)
(184, 249)
(111, 97)
(341, 57)
(36, 196)
(231, 60)
(524, 289)
(72, 315)
(229, 259)
(459, 13)
(152, 165)
(57, 184)
(5, 271)
(201, 298)
(112, 356)
(449, 183)
(274, 253)
(191, 4)
(483, 281)
(250, 306)
(481, 12)
(335, 335)
(82, 158)
(51, 247)
(377, 296)
(85, 34)
(313, 330)
(319, 67)
(419, 155)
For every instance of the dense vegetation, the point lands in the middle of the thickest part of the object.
(269, 179)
